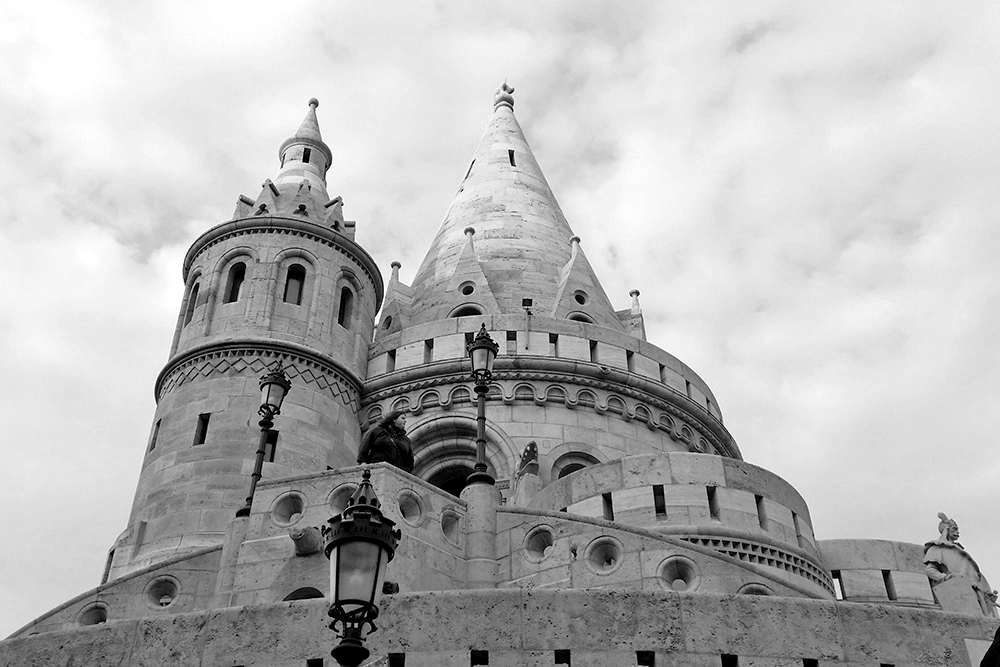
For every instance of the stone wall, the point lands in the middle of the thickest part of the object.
(589, 628)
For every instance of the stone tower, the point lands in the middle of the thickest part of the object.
(283, 280)
(624, 528)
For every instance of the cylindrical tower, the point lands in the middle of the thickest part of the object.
(283, 280)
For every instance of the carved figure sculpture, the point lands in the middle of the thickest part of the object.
(387, 441)
(945, 558)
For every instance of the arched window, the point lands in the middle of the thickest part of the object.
(571, 462)
(234, 284)
(346, 307)
(192, 302)
(294, 284)
(305, 593)
(466, 311)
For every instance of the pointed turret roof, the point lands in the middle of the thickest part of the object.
(305, 157)
(522, 239)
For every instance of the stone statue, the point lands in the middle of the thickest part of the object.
(387, 441)
(945, 559)
(529, 460)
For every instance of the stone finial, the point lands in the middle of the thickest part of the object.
(504, 96)
(395, 271)
(313, 102)
(636, 308)
(470, 232)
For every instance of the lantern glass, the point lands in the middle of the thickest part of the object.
(271, 396)
(357, 569)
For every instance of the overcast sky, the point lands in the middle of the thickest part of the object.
(806, 195)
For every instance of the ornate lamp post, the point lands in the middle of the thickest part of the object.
(273, 388)
(482, 351)
(359, 543)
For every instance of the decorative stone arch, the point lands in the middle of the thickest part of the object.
(444, 450)
(220, 278)
(346, 279)
(283, 261)
(572, 454)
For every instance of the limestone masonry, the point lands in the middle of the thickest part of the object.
(633, 532)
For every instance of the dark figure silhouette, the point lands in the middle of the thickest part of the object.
(387, 441)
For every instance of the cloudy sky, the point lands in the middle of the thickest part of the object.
(806, 195)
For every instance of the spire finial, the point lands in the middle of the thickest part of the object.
(313, 102)
(636, 309)
(504, 96)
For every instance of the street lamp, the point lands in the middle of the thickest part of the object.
(273, 388)
(359, 543)
(482, 351)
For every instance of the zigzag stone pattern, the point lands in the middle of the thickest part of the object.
(254, 361)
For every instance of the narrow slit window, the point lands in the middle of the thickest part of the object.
(390, 361)
(270, 446)
(687, 388)
(553, 345)
(729, 660)
(294, 284)
(630, 361)
(346, 307)
(306, 154)
(890, 586)
(713, 502)
(798, 530)
(663, 374)
(761, 512)
(155, 435)
(608, 506)
(510, 157)
(396, 660)
(201, 428)
(192, 303)
(511, 342)
(645, 658)
(659, 503)
(479, 658)
(838, 584)
(234, 283)
(593, 352)
(107, 567)
(428, 350)
(562, 657)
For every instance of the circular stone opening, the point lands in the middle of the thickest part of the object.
(340, 496)
(288, 509)
(581, 297)
(162, 591)
(93, 615)
(410, 507)
(451, 525)
(604, 555)
(467, 288)
(678, 573)
(538, 544)
(387, 322)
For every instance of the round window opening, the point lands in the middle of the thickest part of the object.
(604, 555)
(94, 614)
(288, 509)
(581, 297)
(387, 322)
(679, 574)
(538, 544)
(340, 496)
(162, 591)
(410, 507)
(467, 288)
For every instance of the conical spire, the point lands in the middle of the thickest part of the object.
(304, 156)
(522, 241)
